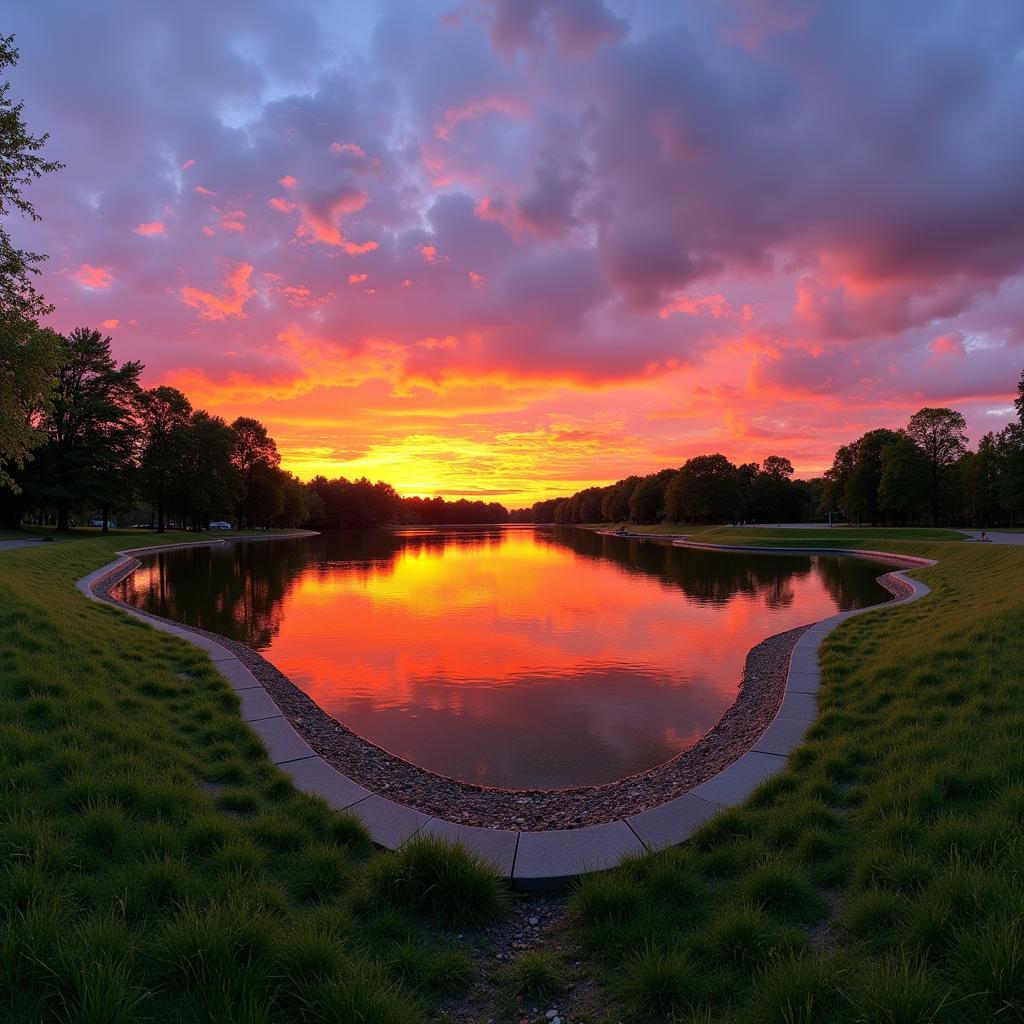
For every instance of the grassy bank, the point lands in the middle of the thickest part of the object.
(882, 877)
(154, 865)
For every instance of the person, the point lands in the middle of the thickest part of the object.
(984, 536)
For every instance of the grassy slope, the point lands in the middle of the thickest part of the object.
(155, 866)
(882, 877)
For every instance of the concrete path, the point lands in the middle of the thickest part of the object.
(10, 545)
(996, 537)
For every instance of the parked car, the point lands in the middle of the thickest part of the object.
(220, 524)
(112, 523)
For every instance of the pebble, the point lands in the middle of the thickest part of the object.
(551, 1014)
(533, 920)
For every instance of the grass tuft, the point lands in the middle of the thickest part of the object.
(439, 880)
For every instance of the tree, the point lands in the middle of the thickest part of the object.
(255, 454)
(89, 429)
(20, 165)
(940, 435)
(837, 480)
(208, 485)
(164, 414)
(861, 497)
(903, 485)
(773, 486)
(615, 503)
(647, 502)
(29, 356)
(706, 488)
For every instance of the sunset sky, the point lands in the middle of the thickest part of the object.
(509, 248)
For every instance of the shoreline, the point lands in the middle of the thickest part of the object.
(757, 704)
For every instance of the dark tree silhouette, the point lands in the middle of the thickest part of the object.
(89, 427)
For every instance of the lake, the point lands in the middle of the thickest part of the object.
(507, 656)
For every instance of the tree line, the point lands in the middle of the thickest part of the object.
(104, 446)
(921, 474)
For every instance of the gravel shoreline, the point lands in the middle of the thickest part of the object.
(760, 694)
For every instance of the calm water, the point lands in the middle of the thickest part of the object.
(506, 656)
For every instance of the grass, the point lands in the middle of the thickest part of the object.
(881, 879)
(129, 891)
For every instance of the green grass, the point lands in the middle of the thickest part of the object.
(129, 891)
(839, 536)
(882, 877)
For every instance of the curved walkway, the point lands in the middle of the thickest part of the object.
(545, 859)
(996, 537)
(10, 545)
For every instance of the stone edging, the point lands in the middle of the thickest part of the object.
(542, 859)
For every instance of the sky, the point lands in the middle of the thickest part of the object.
(506, 249)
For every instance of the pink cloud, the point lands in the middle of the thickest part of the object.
(203, 190)
(230, 303)
(357, 278)
(289, 181)
(948, 346)
(187, 164)
(153, 227)
(716, 306)
(346, 147)
(111, 324)
(233, 220)
(92, 277)
(473, 111)
(281, 204)
(429, 254)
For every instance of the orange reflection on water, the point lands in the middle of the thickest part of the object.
(508, 657)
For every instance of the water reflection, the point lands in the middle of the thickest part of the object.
(506, 656)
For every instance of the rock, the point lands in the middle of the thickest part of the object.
(551, 1014)
(533, 920)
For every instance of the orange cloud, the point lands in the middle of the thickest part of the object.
(231, 303)
(153, 227)
(320, 221)
(430, 254)
(476, 279)
(89, 276)
(357, 278)
(110, 325)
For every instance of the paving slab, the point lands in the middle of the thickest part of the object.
(496, 846)
(257, 704)
(783, 736)
(801, 706)
(547, 860)
(283, 743)
(238, 676)
(733, 785)
(673, 822)
(216, 651)
(315, 775)
(388, 823)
